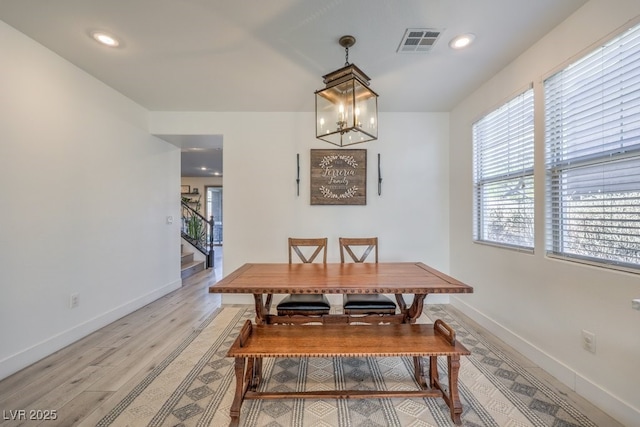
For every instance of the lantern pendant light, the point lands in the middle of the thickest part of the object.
(346, 109)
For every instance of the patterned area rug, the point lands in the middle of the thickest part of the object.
(194, 386)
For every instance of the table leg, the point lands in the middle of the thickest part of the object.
(267, 303)
(415, 310)
(402, 305)
(261, 312)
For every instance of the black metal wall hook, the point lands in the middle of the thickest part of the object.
(379, 177)
(298, 174)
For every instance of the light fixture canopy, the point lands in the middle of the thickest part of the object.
(346, 109)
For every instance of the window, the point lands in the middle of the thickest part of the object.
(503, 174)
(593, 156)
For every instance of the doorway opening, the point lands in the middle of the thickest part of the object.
(213, 209)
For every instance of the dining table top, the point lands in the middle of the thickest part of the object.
(339, 278)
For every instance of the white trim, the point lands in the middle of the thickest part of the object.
(612, 405)
(590, 48)
(24, 358)
(598, 396)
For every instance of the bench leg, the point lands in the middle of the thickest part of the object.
(250, 374)
(418, 364)
(455, 406)
(434, 378)
(451, 396)
(256, 372)
(240, 390)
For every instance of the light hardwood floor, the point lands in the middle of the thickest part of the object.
(85, 380)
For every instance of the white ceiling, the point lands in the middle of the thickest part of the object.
(201, 154)
(270, 55)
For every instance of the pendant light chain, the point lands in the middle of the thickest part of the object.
(346, 56)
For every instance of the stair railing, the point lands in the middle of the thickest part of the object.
(198, 231)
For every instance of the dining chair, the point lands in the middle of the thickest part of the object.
(359, 249)
(305, 304)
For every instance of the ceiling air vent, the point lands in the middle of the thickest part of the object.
(418, 40)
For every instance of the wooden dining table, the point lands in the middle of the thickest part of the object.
(397, 278)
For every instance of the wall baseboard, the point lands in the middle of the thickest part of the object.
(612, 405)
(28, 356)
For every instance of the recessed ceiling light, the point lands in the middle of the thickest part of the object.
(203, 168)
(105, 39)
(462, 41)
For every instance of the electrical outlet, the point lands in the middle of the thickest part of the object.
(589, 341)
(635, 304)
(169, 220)
(74, 300)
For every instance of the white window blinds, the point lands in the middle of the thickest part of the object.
(503, 174)
(592, 137)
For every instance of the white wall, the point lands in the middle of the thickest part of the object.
(541, 305)
(85, 191)
(261, 209)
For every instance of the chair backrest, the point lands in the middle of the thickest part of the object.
(320, 245)
(347, 244)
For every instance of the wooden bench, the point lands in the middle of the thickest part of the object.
(256, 342)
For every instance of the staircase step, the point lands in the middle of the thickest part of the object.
(186, 257)
(190, 268)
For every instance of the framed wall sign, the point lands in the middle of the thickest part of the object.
(338, 177)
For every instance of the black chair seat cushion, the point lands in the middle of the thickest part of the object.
(367, 302)
(305, 302)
